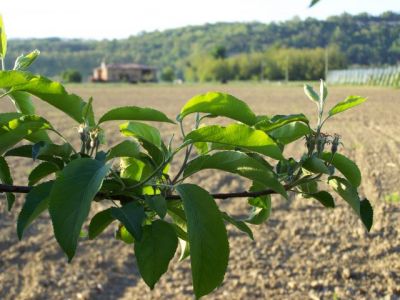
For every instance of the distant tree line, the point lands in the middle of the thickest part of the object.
(274, 64)
(358, 40)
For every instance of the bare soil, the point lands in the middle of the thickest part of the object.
(302, 252)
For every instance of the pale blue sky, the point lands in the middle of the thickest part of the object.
(120, 18)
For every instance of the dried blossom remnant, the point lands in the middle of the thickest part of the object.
(335, 143)
(91, 137)
(322, 140)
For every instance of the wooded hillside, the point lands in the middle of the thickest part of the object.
(362, 39)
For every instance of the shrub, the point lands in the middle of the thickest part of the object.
(153, 208)
(168, 74)
(71, 76)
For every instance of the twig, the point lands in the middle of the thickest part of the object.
(5, 188)
(188, 150)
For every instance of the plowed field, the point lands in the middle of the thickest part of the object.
(302, 252)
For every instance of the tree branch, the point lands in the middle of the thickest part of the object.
(5, 188)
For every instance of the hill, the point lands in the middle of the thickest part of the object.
(363, 39)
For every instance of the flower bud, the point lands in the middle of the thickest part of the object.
(24, 61)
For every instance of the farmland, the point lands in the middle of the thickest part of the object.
(303, 250)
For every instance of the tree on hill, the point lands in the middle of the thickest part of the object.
(168, 74)
(219, 52)
(72, 76)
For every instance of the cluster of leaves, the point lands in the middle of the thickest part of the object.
(155, 210)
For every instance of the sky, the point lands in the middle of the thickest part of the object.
(90, 19)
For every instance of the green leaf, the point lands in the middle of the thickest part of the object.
(134, 113)
(36, 148)
(345, 166)
(37, 201)
(324, 198)
(346, 191)
(315, 165)
(262, 201)
(43, 151)
(278, 121)
(20, 151)
(100, 222)
(258, 216)
(88, 113)
(142, 131)
(286, 167)
(41, 171)
(237, 135)
(7, 117)
(178, 216)
(22, 102)
(158, 204)
(261, 159)
(309, 187)
(70, 199)
(185, 249)
(39, 136)
(5, 177)
(24, 105)
(155, 250)
(131, 215)
(26, 151)
(50, 149)
(24, 61)
(313, 2)
(101, 156)
(124, 235)
(323, 90)
(134, 169)
(310, 93)
(209, 248)
(156, 153)
(18, 129)
(290, 132)
(349, 193)
(202, 148)
(127, 148)
(219, 104)
(367, 214)
(218, 146)
(238, 224)
(237, 163)
(261, 208)
(350, 102)
(261, 118)
(49, 91)
(3, 39)
(180, 226)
